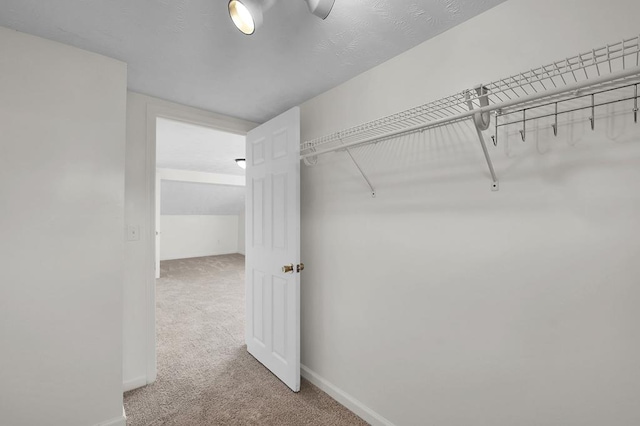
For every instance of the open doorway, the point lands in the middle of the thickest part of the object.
(206, 373)
(200, 192)
(199, 291)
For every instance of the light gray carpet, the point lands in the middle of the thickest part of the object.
(205, 375)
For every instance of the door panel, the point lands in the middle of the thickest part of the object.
(273, 240)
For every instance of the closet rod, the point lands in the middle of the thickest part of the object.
(592, 82)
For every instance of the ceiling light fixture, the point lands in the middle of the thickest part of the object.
(241, 162)
(320, 8)
(247, 14)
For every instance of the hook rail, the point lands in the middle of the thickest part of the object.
(592, 106)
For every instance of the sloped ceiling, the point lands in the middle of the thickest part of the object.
(189, 198)
(188, 51)
(186, 146)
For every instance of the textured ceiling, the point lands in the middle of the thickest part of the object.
(189, 147)
(188, 51)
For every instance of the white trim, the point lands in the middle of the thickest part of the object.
(364, 412)
(200, 177)
(159, 108)
(136, 383)
(150, 339)
(118, 421)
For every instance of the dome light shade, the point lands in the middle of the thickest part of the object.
(241, 162)
(320, 8)
(246, 15)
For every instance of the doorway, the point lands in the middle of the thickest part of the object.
(272, 211)
(198, 208)
(207, 375)
(200, 192)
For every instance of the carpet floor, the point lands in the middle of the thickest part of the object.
(205, 374)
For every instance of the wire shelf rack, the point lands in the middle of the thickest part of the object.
(613, 65)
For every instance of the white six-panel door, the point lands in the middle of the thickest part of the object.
(273, 241)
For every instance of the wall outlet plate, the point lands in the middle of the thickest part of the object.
(133, 233)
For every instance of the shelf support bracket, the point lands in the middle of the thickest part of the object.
(495, 185)
(366, 179)
(481, 122)
(311, 161)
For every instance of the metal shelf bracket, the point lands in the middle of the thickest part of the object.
(482, 121)
(366, 179)
(311, 161)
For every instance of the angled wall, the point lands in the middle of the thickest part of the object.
(440, 302)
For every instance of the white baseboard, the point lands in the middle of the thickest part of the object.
(118, 421)
(136, 383)
(366, 413)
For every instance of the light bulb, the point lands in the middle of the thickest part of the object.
(242, 17)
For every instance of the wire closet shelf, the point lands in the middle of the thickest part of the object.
(614, 65)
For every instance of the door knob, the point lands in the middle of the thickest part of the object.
(300, 267)
(288, 269)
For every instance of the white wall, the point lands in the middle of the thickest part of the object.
(195, 198)
(442, 303)
(241, 233)
(139, 335)
(62, 121)
(186, 236)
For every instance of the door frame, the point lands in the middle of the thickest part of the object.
(171, 111)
